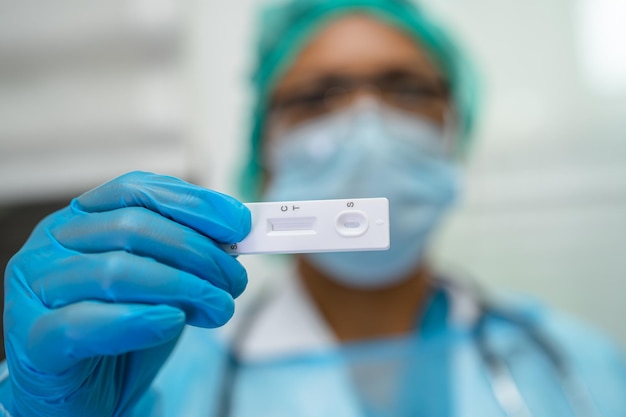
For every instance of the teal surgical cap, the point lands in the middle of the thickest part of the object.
(287, 28)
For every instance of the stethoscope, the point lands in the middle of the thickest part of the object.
(503, 384)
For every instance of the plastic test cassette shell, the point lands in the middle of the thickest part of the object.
(316, 226)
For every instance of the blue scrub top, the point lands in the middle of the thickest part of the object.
(438, 371)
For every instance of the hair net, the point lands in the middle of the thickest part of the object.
(285, 30)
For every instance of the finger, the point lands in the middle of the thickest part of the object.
(213, 214)
(120, 277)
(145, 233)
(63, 337)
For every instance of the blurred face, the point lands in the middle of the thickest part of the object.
(322, 144)
(357, 56)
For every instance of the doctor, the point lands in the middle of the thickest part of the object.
(355, 99)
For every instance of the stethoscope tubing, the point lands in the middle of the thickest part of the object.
(503, 384)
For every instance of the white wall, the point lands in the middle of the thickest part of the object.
(88, 90)
(545, 204)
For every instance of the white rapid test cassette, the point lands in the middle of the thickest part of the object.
(316, 226)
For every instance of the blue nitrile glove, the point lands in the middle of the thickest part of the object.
(98, 295)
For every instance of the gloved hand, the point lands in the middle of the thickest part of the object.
(98, 295)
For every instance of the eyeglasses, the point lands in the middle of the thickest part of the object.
(402, 90)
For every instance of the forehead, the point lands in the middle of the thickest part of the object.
(358, 44)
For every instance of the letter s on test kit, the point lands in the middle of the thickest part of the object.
(344, 225)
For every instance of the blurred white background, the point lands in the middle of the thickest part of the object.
(89, 90)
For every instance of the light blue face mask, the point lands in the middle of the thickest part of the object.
(369, 150)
